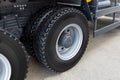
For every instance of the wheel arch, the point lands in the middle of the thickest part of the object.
(81, 5)
(69, 2)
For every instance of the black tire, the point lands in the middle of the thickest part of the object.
(47, 33)
(32, 27)
(14, 51)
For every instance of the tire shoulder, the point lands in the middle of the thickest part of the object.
(6, 33)
(50, 20)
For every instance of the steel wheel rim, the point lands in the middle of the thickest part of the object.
(5, 68)
(77, 39)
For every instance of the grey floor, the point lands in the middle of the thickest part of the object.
(101, 61)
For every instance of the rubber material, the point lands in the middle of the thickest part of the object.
(32, 27)
(13, 49)
(47, 33)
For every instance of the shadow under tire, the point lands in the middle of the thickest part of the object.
(13, 57)
(52, 36)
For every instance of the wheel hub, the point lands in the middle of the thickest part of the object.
(69, 41)
(5, 68)
(66, 40)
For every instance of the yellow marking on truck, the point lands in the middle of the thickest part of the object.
(88, 1)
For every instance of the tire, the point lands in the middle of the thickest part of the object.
(32, 27)
(50, 36)
(13, 58)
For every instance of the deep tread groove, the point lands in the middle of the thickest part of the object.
(20, 44)
(32, 27)
(45, 31)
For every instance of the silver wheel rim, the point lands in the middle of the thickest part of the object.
(5, 68)
(69, 42)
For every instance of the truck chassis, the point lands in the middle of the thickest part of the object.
(55, 32)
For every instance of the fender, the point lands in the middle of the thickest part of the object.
(69, 2)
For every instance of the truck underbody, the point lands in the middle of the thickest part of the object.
(53, 31)
(15, 15)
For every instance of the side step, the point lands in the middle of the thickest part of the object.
(106, 11)
(106, 28)
(102, 12)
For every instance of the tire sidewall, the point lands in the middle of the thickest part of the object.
(58, 26)
(15, 55)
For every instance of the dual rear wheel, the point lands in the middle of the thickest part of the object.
(60, 37)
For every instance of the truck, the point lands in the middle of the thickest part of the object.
(55, 32)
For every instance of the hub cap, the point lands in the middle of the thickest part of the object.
(5, 68)
(69, 42)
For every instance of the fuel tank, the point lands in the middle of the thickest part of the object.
(104, 3)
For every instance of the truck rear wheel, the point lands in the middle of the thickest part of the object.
(13, 58)
(32, 27)
(61, 39)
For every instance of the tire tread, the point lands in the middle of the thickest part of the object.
(50, 20)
